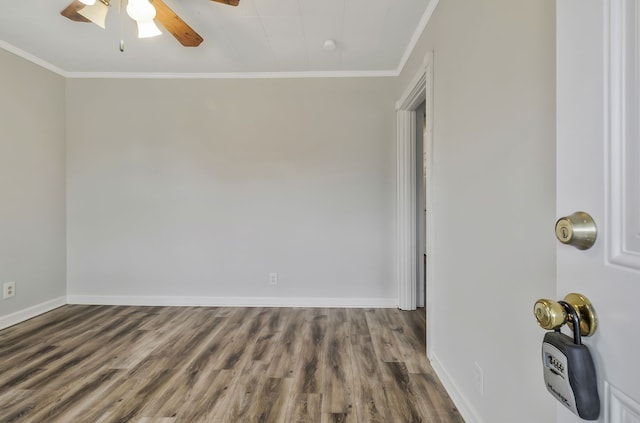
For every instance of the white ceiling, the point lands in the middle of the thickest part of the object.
(262, 36)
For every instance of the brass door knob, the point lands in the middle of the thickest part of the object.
(549, 314)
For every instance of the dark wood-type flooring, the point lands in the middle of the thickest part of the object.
(199, 364)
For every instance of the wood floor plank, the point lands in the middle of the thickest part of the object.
(68, 366)
(382, 336)
(68, 402)
(337, 389)
(27, 331)
(433, 402)
(15, 343)
(286, 353)
(403, 404)
(308, 375)
(369, 393)
(211, 392)
(304, 408)
(407, 340)
(271, 400)
(243, 391)
(107, 364)
(337, 418)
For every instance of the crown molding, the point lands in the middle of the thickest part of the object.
(233, 75)
(33, 59)
(219, 75)
(426, 18)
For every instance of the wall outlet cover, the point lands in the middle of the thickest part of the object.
(9, 290)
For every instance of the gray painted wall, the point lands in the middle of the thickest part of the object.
(493, 251)
(200, 188)
(32, 184)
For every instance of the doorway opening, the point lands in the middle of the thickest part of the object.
(421, 204)
(412, 120)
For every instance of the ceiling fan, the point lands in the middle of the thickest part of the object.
(144, 12)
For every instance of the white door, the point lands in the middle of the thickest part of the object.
(598, 171)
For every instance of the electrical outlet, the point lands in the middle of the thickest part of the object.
(273, 278)
(479, 378)
(9, 290)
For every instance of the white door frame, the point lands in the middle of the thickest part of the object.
(420, 89)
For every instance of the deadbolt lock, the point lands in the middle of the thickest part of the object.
(577, 229)
(551, 315)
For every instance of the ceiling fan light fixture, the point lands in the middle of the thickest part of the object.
(96, 13)
(143, 13)
(88, 2)
(148, 29)
(141, 10)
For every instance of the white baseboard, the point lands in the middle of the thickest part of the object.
(234, 301)
(33, 311)
(467, 411)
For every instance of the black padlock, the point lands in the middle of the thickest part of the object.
(569, 372)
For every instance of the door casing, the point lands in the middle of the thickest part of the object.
(420, 89)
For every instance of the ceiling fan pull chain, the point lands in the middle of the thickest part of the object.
(121, 26)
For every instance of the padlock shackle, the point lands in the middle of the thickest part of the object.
(577, 336)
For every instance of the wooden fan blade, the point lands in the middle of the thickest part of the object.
(175, 25)
(229, 2)
(71, 12)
